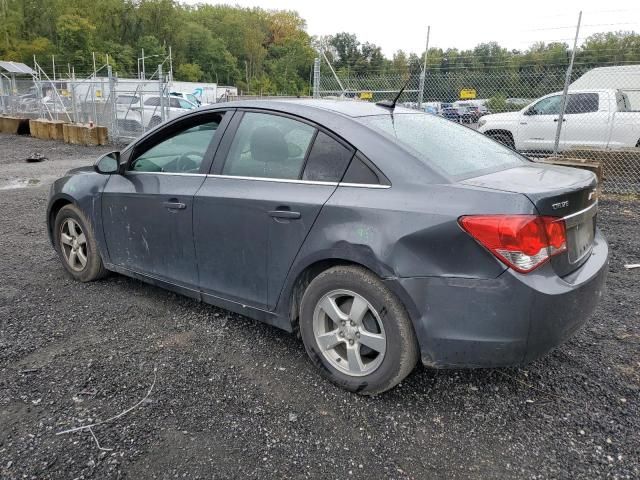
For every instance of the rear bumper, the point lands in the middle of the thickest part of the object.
(506, 321)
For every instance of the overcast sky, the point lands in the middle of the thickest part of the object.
(402, 24)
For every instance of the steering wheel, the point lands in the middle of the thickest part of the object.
(186, 163)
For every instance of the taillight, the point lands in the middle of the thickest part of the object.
(522, 242)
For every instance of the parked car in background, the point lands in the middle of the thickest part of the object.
(382, 235)
(187, 96)
(134, 111)
(593, 118)
(457, 113)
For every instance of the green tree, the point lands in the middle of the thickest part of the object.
(189, 72)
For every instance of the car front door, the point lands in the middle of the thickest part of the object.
(537, 129)
(148, 210)
(253, 213)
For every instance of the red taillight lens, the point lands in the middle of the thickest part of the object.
(523, 242)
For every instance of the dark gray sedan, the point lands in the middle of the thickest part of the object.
(382, 235)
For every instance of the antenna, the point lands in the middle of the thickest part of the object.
(391, 104)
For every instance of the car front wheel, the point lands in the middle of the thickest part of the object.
(76, 245)
(356, 331)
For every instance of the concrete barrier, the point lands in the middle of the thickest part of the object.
(46, 129)
(80, 134)
(14, 125)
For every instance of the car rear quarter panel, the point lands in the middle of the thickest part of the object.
(404, 231)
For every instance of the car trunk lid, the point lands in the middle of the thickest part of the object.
(555, 191)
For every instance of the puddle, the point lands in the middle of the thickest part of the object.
(19, 183)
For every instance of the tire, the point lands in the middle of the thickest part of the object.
(385, 325)
(504, 139)
(74, 241)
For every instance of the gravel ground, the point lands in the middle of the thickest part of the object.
(236, 398)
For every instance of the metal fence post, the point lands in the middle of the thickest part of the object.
(565, 92)
(316, 78)
(162, 93)
(112, 101)
(423, 73)
(74, 105)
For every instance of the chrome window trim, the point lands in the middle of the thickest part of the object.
(277, 180)
(180, 174)
(363, 185)
(266, 179)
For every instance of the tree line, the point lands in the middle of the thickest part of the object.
(260, 51)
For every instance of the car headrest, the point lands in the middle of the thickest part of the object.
(268, 145)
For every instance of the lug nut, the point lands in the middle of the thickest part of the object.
(341, 334)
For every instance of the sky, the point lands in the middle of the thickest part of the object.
(402, 24)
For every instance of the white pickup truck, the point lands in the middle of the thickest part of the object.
(593, 118)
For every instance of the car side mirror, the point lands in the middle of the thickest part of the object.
(530, 111)
(108, 164)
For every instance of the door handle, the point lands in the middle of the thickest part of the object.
(288, 214)
(174, 205)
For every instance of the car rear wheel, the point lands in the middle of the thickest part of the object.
(356, 331)
(76, 245)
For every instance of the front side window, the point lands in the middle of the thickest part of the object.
(268, 146)
(548, 106)
(582, 103)
(182, 152)
(447, 147)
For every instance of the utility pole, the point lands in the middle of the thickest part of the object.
(423, 74)
(565, 92)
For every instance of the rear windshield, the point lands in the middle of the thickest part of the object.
(446, 146)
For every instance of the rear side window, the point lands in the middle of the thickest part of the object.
(327, 160)
(447, 147)
(582, 103)
(360, 172)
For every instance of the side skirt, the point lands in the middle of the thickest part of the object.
(269, 318)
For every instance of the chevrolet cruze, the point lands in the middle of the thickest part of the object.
(381, 235)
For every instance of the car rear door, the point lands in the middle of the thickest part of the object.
(254, 211)
(588, 120)
(147, 211)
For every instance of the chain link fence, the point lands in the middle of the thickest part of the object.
(598, 119)
(127, 107)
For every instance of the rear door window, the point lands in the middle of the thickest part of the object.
(582, 103)
(268, 146)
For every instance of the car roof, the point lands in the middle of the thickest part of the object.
(348, 108)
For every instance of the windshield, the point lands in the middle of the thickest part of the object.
(457, 151)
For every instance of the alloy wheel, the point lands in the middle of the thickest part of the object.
(349, 332)
(73, 244)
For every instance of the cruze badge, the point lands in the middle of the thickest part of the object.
(559, 205)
